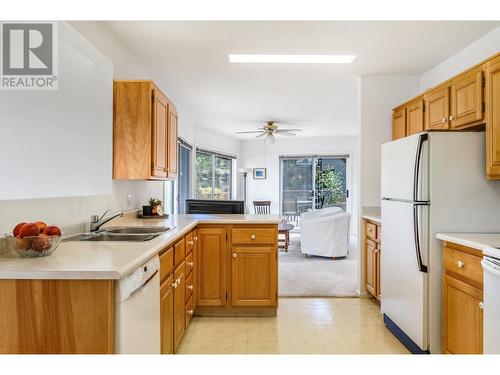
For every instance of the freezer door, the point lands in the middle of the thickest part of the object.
(404, 285)
(399, 171)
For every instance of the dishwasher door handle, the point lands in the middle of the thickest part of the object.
(143, 284)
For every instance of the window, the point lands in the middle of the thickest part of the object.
(184, 179)
(214, 175)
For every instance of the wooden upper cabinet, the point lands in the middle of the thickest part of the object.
(144, 132)
(467, 99)
(492, 105)
(254, 276)
(399, 123)
(415, 117)
(172, 142)
(437, 108)
(160, 150)
(211, 265)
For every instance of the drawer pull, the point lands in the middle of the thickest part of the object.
(253, 236)
(234, 255)
(481, 305)
(190, 287)
(195, 238)
(178, 281)
(190, 312)
(460, 264)
(174, 285)
(190, 264)
(190, 243)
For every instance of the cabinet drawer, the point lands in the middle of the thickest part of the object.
(189, 243)
(189, 311)
(463, 264)
(179, 251)
(189, 286)
(251, 236)
(166, 263)
(189, 263)
(371, 230)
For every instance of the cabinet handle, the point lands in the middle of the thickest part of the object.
(443, 120)
(190, 287)
(174, 285)
(481, 305)
(253, 237)
(451, 118)
(190, 264)
(234, 255)
(190, 312)
(190, 243)
(178, 281)
(195, 238)
(460, 264)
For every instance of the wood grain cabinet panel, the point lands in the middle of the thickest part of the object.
(179, 251)
(159, 131)
(57, 316)
(371, 248)
(253, 236)
(467, 99)
(254, 276)
(179, 304)
(437, 108)
(211, 265)
(173, 144)
(492, 98)
(399, 124)
(167, 316)
(415, 117)
(462, 317)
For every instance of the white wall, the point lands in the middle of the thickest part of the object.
(65, 211)
(378, 96)
(256, 154)
(474, 53)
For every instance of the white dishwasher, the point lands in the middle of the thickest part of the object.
(491, 301)
(137, 310)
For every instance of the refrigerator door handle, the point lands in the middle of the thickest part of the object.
(416, 171)
(420, 265)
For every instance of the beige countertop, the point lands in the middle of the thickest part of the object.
(113, 260)
(479, 241)
(371, 213)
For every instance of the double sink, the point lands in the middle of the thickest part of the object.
(122, 234)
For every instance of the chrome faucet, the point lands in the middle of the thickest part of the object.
(96, 222)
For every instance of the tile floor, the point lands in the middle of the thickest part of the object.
(303, 326)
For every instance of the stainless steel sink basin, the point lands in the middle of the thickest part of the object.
(137, 230)
(122, 234)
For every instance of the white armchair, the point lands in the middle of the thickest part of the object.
(325, 232)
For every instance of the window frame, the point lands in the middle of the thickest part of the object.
(213, 155)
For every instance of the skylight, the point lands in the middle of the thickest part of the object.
(292, 59)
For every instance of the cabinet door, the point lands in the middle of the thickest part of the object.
(378, 294)
(179, 306)
(195, 268)
(159, 131)
(492, 96)
(254, 276)
(415, 117)
(172, 142)
(211, 265)
(467, 99)
(167, 316)
(437, 109)
(399, 124)
(370, 267)
(462, 317)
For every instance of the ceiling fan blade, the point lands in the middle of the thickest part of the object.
(287, 134)
(252, 132)
(288, 130)
(260, 135)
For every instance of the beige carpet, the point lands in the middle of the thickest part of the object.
(316, 276)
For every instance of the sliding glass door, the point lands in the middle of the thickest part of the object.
(184, 179)
(313, 182)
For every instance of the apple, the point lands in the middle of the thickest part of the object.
(17, 229)
(29, 229)
(41, 225)
(52, 230)
(23, 243)
(41, 243)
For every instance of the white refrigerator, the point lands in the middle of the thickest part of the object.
(430, 183)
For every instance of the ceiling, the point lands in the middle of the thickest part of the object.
(190, 61)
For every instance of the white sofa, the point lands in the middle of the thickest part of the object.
(325, 232)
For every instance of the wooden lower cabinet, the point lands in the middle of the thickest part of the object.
(373, 248)
(167, 315)
(212, 264)
(179, 304)
(462, 301)
(254, 276)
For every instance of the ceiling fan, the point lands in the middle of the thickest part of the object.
(270, 130)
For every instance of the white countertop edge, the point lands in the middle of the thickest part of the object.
(169, 238)
(372, 218)
(478, 241)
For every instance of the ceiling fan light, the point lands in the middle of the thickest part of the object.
(270, 139)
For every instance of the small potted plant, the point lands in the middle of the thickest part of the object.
(152, 209)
